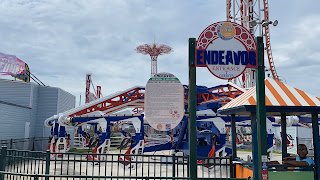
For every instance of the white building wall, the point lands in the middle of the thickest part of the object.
(22, 103)
(12, 121)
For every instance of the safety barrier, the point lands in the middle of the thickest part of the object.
(37, 177)
(280, 172)
(31, 144)
(18, 164)
(276, 171)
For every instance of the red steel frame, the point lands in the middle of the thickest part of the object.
(226, 94)
(88, 83)
(268, 43)
(131, 98)
(247, 9)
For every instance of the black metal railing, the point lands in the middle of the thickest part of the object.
(18, 164)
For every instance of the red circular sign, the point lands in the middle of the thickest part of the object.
(226, 49)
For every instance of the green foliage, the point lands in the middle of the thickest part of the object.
(244, 150)
(75, 150)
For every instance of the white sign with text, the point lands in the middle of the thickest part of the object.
(164, 101)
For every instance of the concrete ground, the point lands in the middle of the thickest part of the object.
(244, 155)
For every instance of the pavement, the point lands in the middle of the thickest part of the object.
(246, 154)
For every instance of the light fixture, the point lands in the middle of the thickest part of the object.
(275, 22)
(264, 23)
(253, 23)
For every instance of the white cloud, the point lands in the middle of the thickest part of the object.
(63, 40)
(296, 53)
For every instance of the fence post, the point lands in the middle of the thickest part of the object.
(3, 161)
(47, 164)
(174, 165)
(33, 139)
(232, 167)
(11, 144)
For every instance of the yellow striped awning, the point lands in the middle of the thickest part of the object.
(277, 94)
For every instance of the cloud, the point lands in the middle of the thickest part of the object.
(296, 54)
(63, 40)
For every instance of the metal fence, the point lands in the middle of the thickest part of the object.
(20, 164)
(41, 143)
(31, 144)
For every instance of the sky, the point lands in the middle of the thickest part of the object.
(63, 40)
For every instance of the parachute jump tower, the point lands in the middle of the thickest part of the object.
(154, 50)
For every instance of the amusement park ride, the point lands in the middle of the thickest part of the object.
(248, 14)
(102, 112)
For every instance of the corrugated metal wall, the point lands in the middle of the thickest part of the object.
(27, 102)
(15, 92)
(66, 101)
(12, 121)
(33, 113)
(47, 106)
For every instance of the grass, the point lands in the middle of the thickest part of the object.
(249, 150)
(75, 150)
(276, 152)
(245, 150)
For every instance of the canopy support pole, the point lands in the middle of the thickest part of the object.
(284, 135)
(233, 136)
(255, 146)
(316, 143)
(261, 109)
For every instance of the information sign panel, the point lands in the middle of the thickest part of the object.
(164, 101)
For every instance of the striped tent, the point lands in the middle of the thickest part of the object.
(277, 94)
(281, 99)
